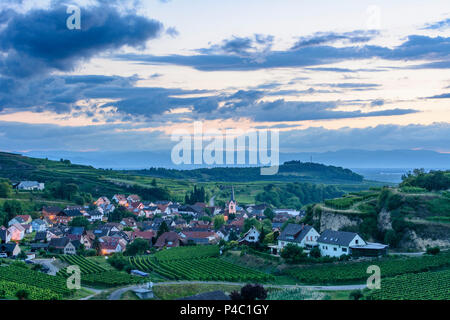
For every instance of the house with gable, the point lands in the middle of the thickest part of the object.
(301, 235)
(17, 232)
(337, 243)
(251, 236)
(5, 235)
(39, 225)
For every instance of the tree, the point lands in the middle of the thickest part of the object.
(79, 222)
(137, 247)
(262, 235)
(22, 294)
(250, 292)
(356, 294)
(12, 209)
(269, 213)
(162, 229)
(219, 221)
(293, 254)
(5, 189)
(22, 255)
(315, 252)
(154, 184)
(119, 213)
(252, 222)
(433, 250)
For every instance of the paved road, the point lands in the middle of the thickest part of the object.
(96, 291)
(115, 295)
(48, 263)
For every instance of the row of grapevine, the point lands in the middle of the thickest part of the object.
(8, 290)
(25, 276)
(357, 271)
(181, 253)
(86, 266)
(214, 269)
(418, 286)
(110, 279)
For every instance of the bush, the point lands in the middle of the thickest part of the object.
(293, 254)
(433, 250)
(356, 294)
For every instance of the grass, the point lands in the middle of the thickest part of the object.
(176, 291)
(337, 295)
(100, 260)
(129, 295)
(79, 294)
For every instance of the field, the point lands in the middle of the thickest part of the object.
(418, 286)
(40, 286)
(356, 271)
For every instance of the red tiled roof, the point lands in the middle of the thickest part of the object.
(199, 234)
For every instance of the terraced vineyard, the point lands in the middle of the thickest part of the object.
(418, 286)
(196, 263)
(94, 274)
(181, 253)
(41, 286)
(356, 271)
(86, 266)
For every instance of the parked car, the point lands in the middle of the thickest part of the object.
(3, 255)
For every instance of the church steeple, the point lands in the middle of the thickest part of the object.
(232, 203)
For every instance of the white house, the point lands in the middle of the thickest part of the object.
(30, 185)
(337, 243)
(300, 235)
(39, 225)
(17, 232)
(5, 235)
(251, 236)
(291, 212)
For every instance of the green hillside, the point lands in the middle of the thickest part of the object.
(289, 171)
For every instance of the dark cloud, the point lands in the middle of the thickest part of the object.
(377, 103)
(439, 25)
(440, 96)
(325, 38)
(416, 47)
(173, 32)
(39, 41)
(351, 85)
(382, 137)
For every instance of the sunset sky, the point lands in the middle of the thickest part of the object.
(371, 75)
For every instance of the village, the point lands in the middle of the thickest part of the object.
(108, 226)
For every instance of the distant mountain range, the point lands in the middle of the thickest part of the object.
(344, 158)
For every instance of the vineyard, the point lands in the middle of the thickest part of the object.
(181, 253)
(40, 286)
(419, 286)
(196, 263)
(86, 266)
(356, 271)
(94, 274)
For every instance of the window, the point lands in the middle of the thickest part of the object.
(251, 238)
(356, 241)
(344, 249)
(335, 249)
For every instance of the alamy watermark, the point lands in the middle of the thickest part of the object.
(74, 280)
(374, 281)
(73, 22)
(229, 147)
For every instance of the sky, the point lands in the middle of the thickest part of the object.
(328, 75)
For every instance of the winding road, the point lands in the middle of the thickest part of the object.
(116, 295)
